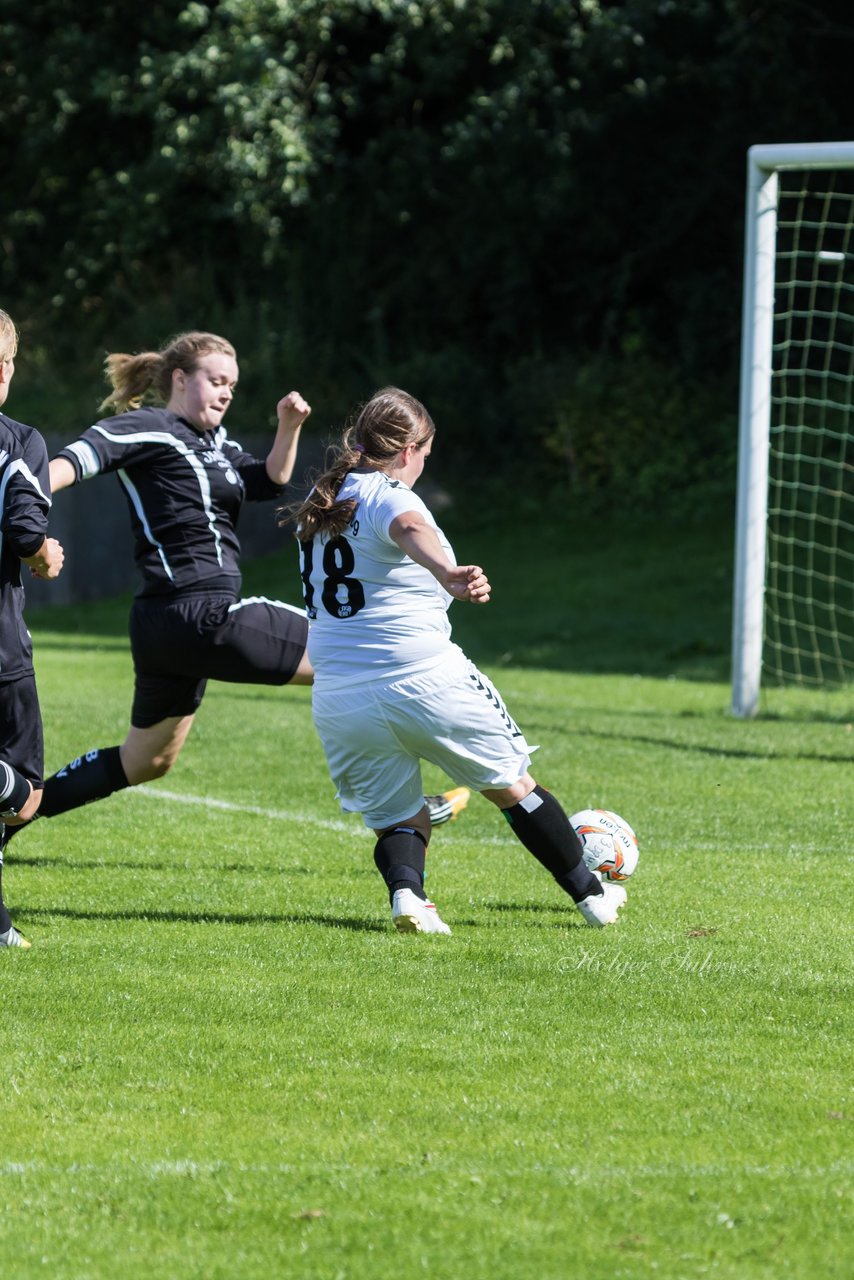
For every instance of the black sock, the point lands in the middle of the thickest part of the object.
(400, 855)
(5, 918)
(544, 829)
(14, 790)
(91, 777)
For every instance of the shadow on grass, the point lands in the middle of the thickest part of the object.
(696, 748)
(24, 913)
(201, 917)
(535, 908)
(106, 619)
(47, 643)
(124, 864)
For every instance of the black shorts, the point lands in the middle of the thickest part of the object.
(179, 644)
(21, 739)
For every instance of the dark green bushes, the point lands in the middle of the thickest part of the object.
(530, 211)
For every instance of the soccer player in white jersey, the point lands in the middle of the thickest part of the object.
(391, 688)
(24, 509)
(185, 481)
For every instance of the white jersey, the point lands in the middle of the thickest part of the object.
(373, 612)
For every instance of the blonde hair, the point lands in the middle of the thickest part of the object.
(389, 421)
(8, 338)
(149, 374)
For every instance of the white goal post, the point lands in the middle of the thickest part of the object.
(797, 361)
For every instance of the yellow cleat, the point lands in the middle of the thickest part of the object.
(447, 807)
(11, 938)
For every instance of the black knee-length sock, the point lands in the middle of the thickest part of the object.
(5, 918)
(544, 829)
(91, 777)
(400, 855)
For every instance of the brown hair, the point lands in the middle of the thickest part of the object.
(389, 421)
(8, 337)
(149, 373)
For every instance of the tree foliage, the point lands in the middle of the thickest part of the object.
(458, 188)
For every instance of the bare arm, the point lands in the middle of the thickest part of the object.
(62, 474)
(291, 412)
(419, 541)
(47, 561)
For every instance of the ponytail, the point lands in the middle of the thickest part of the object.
(389, 421)
(131, 378)
(321, 512)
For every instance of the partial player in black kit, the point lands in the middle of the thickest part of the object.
(185, 482)
(24, 509)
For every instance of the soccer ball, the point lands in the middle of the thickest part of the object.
(610, 845)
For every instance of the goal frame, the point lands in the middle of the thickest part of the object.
(764, 163)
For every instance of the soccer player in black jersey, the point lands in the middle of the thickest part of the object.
(185, 481)
(24, 507)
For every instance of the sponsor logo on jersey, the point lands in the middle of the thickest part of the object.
(214, 458)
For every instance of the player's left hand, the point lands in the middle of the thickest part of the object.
(48, 561)
(292, 410)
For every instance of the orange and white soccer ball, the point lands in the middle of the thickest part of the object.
(610, 845)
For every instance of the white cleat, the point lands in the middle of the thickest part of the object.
(601, 908)
(11, 938)
(412, 915)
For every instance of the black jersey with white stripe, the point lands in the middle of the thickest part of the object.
(24, 508)
(184, 490)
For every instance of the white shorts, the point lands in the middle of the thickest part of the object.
(376, 734)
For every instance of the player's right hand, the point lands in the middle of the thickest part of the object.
(468, 582)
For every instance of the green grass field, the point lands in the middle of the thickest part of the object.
(221, 1061)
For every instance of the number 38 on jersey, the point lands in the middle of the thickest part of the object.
(341, 595)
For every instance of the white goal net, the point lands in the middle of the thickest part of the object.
(794, 590)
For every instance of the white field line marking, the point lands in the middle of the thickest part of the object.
(277, 815)
(356, 827)
(452, 829)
